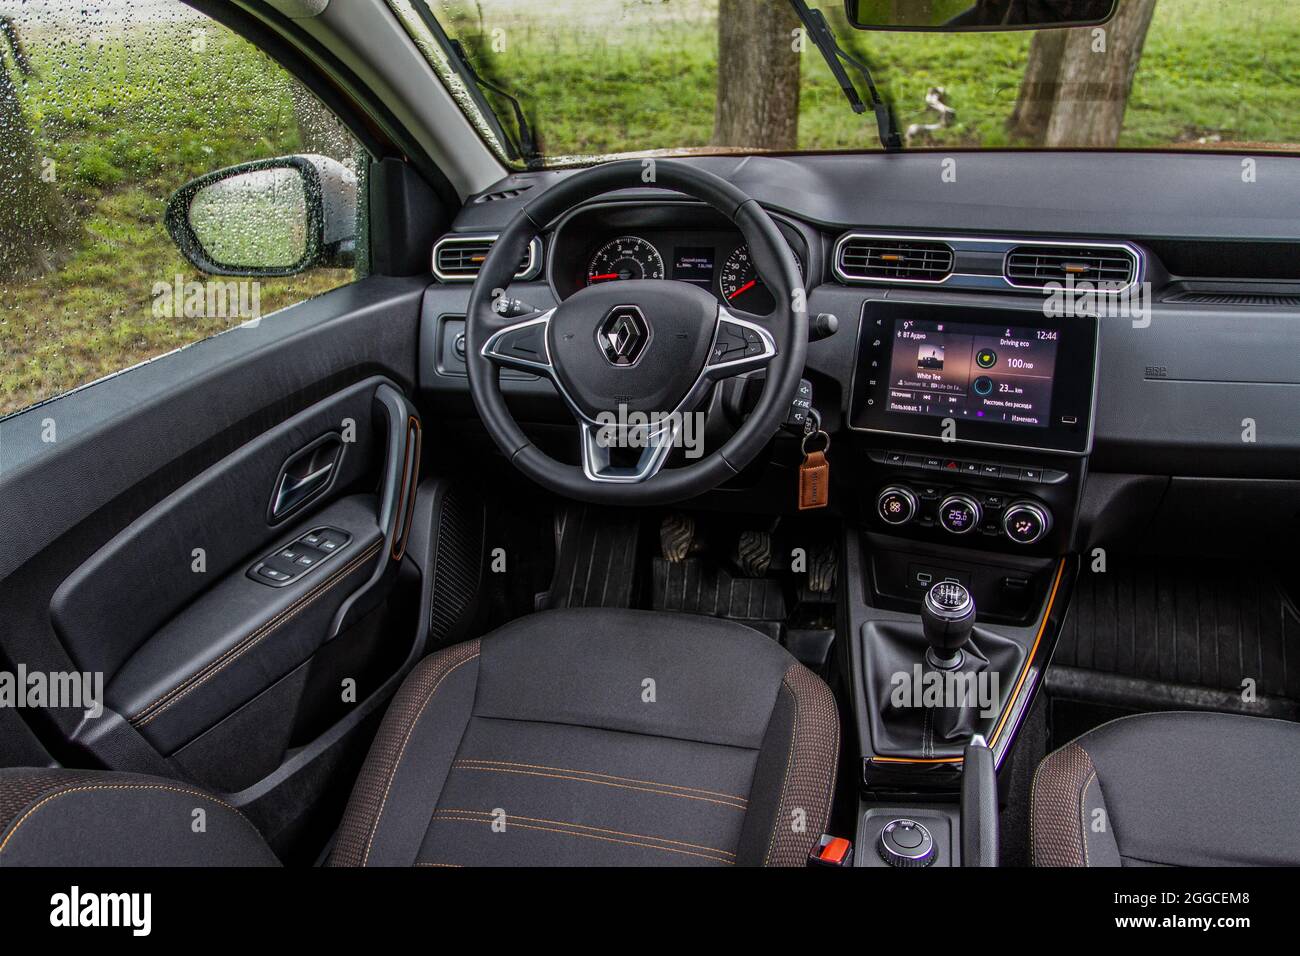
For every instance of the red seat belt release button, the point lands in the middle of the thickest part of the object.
(831, 851)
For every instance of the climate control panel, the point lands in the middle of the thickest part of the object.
(962, 512)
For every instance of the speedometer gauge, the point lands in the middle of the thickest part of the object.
(627, 257)
(742, 286)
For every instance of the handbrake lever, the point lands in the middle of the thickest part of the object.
(979, 805)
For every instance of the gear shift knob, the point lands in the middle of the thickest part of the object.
(947, 616)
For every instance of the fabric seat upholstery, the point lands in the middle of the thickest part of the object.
(586, 737)
(1170, 789)
(599, 738)
(96, 818)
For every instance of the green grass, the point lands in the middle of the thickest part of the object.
(642, 79)
(127, 122)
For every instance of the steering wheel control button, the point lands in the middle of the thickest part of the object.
(958, 514)
(524, 344)
(906, 843)
(731, 342)
(896, 505)
(1025, 522)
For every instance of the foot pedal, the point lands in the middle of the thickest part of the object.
(822, 566)
(754, 553)
(676, 536)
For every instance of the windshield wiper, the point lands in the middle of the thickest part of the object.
(527, 145)
(822, 35)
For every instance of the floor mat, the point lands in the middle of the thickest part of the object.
(1202, 624)
(696, 586)
(596, 558)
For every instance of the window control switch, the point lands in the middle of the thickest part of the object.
(290, 562)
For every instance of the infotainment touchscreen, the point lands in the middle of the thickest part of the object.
(1007, 376)
(962, 370)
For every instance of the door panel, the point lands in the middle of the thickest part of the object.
(211, 674)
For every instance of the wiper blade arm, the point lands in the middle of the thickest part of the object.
(824, 37)
(527, 146)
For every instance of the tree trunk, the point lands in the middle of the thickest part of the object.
(1039, 88)
(1095, 86)
(758, 76)
(33, 223)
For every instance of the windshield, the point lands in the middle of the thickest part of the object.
(595, 78)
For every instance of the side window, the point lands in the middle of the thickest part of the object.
(124, 231)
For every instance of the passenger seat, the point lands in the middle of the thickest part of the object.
(1171, 789)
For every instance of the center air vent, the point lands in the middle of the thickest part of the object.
(893, 260)
(459, 258)
(1034, 266)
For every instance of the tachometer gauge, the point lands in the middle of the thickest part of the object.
(627, 257)
(742, 286)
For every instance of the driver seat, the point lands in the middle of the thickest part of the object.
(574, 737)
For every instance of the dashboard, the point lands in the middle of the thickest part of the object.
(685, 242)
(1164, 393)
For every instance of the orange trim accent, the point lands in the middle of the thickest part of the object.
(1020, 682)
(405, 504)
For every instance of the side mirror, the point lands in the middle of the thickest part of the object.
(272, 217)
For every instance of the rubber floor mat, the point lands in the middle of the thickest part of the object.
(699, 587)
(1196, 623)
(596, 553)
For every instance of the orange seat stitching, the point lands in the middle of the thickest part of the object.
(593, 773)
(125, 786)
(374, 827)
(584, 826)
(603, 783)
(592, 836)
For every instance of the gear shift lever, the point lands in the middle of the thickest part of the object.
(947, 616)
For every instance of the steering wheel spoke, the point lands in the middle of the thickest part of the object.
(739, 345)
(627, 453)
(522, 344)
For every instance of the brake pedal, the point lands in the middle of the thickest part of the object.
(754, 553)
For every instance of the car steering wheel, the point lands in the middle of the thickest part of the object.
(649, 346)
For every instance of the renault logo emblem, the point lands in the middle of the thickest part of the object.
(623, 335)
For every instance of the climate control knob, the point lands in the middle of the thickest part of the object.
(959, 514)
(1024, 522)
(896, 505)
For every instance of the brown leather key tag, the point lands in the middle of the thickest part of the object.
(815, 473)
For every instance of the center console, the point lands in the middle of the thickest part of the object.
(971, 426)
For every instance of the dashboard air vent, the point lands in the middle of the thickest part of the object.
(512, 193)
(1034, 266)
(459, 258)
(883, 259)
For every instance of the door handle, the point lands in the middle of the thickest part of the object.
(306, 474)
(293, 490)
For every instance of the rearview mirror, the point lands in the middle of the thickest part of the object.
(957, 16)
(273, 217)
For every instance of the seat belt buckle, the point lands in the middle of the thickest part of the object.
(831, 851)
